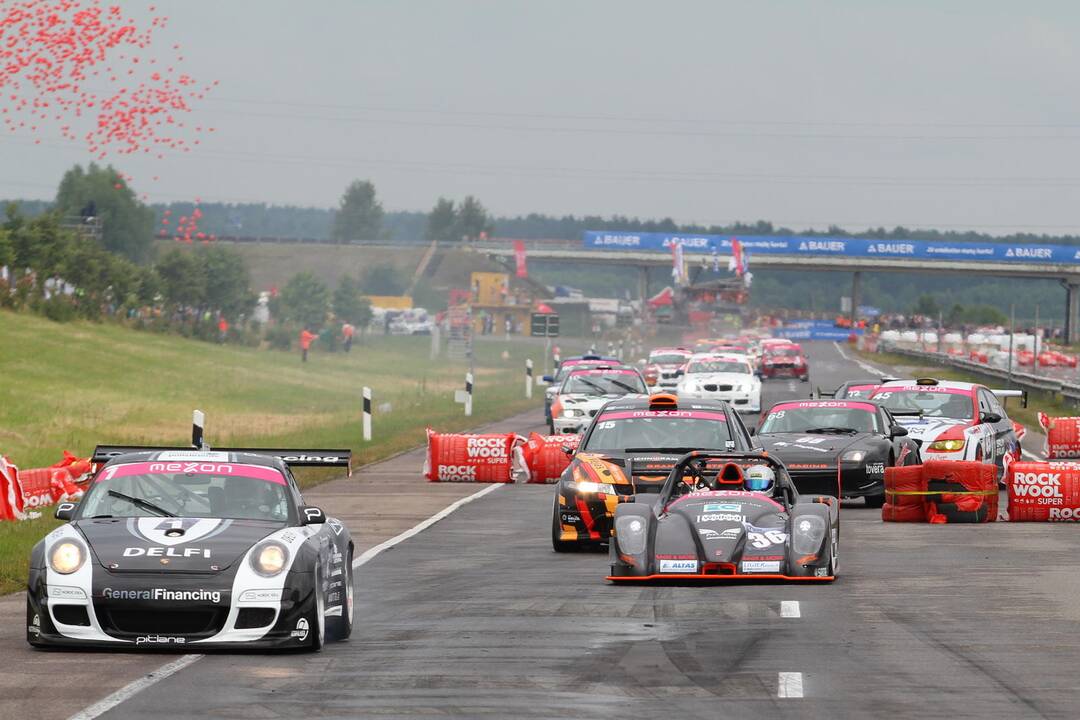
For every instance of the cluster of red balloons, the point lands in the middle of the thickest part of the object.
(187, 227)
(79, 64)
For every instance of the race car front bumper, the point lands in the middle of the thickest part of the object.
(586, 518)
(56, 617)
(570, 426)
(856, 480)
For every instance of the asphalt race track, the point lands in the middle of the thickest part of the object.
(477, 617)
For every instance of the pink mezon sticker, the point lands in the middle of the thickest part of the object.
(688, 414)
(258, 472)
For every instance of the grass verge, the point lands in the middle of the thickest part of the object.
(72, 386)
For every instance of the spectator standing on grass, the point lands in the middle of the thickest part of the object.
(306, 338)
(223, 329)
(347, 331)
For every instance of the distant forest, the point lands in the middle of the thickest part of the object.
(818, 291)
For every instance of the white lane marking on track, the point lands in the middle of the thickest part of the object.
(790, 609)
(137, 686)
(107, 704)
(370, 553)
(865, 366)
(790, 685)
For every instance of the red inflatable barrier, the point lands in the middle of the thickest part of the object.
(10, 495)
(1062, 436)
(941, 491)
(22, 491)
(472, 458)
(905, 486)
(545, 457)
(1044, 492)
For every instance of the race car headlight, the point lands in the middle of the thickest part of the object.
(572, 413)
(630, 533)
(269, 559)
(809, 532)
(67, 556)
(588, 486)
(853, 456)
(946, 445)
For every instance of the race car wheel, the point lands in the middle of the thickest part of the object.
(832, 564)
(805, 378)
(339, 627)
(557, 543)
(318, 626)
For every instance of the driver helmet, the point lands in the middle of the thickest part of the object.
(759, 478)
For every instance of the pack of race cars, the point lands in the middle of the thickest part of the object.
(211, 549)
(676, 485)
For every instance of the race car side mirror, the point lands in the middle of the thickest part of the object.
(312, 515)
(898, 431)
(752, 431)
(567, 451)
(65, 511)
(547, 379)
(990, 417)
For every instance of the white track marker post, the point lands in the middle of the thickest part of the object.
(528, 378)
(367, 414)
(468, 394)
(198, 423)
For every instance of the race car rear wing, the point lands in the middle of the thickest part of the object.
(293, 457)
(1004, 395)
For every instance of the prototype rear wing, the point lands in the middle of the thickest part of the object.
(1006, 394)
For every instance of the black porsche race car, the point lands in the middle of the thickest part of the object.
(837, 447)
(628, 449)
(193, 549)
(705, 525)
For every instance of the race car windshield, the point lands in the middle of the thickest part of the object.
(569, 365)
(928, 403)
(718, 366)
(620, 384)
(658, 432)
(668, 359)
(188, 494)
(808, 420)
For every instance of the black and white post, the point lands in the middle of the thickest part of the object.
(468, 394)
(367, 414)
(528, 378)
(198, 433)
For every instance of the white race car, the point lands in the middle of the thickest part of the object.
(954, 420)
(724, 377)
(585, 391)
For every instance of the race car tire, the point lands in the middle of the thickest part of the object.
(805, 378)
(339, 627)
(875, 501)
(557, 543)
(318, 625)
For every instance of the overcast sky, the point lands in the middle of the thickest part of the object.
(923, 113)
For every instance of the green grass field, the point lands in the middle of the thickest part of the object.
(72, 386)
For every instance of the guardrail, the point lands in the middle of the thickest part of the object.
(1067, 391)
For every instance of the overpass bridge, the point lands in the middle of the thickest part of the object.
(854, 255)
